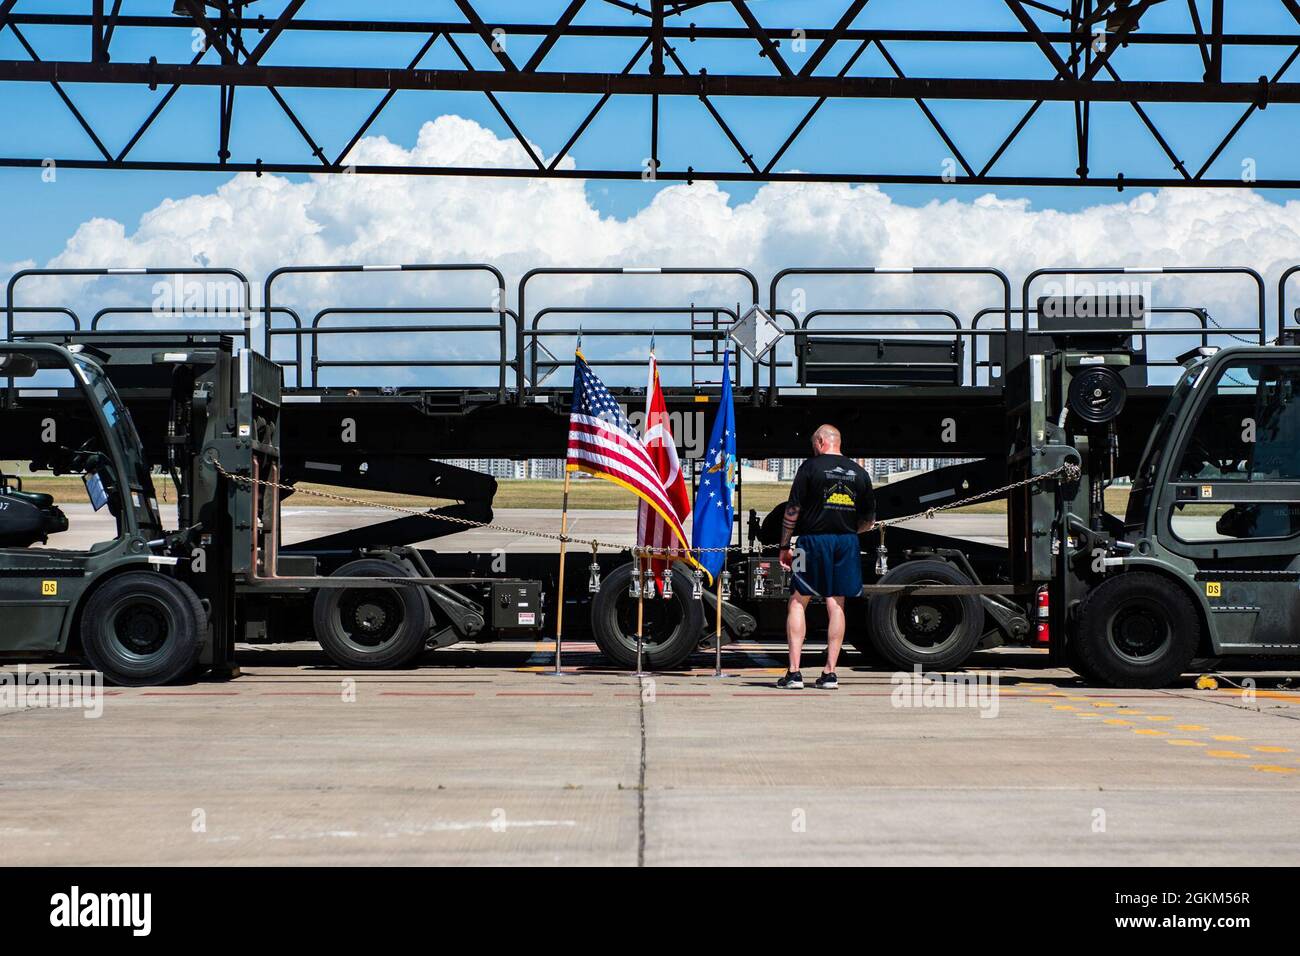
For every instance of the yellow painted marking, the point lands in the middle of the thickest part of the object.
(1158, 717)
(1190, 727)
(1117, 722)
(1273, 768)
(1179, 742)
(1040, 700)
(1150, 732)
(1227, 754)
(1227, 737)
(1271, 694)
(1064, 707)
(1058, 693)
(1102, 703)
(1269, 749)
(1088, 716)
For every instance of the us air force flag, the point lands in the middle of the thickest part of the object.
(714, 498)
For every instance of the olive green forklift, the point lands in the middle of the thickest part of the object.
(123, 604)
(151, 605)
(1205, 561)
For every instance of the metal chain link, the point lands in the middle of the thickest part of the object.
(1069, 470)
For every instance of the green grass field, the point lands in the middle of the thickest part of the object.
(591, 494)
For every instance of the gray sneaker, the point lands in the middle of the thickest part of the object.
(828, 682)
(793, 680)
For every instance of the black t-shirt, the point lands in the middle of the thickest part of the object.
(833, 494)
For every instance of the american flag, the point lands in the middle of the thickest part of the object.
(657, 435)
(603, 443)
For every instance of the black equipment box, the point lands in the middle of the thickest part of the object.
(516, 605)
(765, 578)
(839, 360)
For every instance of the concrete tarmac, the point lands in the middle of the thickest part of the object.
(479, 758)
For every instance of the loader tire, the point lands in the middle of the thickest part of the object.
(1137, 630)
(671, 629)
(373, 629)
(143, 628)
(932, 632)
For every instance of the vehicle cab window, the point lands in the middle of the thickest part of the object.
(1235, 463)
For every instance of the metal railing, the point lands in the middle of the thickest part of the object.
(496, 307)
(975, 346)
(959, 333)
(535, 334)
(1281, 302)
(1259, 328)
(242, 308)
(1203, 330)
(529, 333)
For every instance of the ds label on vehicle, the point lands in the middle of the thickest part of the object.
(1213, 589)
(49, 588)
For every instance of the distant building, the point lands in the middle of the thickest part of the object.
(551, 469)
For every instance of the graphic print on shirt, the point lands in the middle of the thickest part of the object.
(840, 491)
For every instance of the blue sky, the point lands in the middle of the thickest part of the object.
(43, 215)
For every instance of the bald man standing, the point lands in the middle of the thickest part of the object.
(831, 503)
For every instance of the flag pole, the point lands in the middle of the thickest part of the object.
(559, 607)
(640, 612)
(717, 631)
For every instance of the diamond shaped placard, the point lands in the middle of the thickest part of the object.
(756, 332)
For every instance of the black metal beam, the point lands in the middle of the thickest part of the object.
(486, 35)
(674, 175)
(554, 35)
(383, 102)
(501, 110)
(278, 27)
(1081, 75)
(211, 34)
(838, 32)
(5, 7)
(671, 32)
(594, 112)
(842, 87)
(769, 47)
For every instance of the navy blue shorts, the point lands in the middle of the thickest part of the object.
(832, 566)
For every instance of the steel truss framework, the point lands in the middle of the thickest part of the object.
(1084, 45)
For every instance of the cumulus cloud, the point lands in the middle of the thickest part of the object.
(256, 224)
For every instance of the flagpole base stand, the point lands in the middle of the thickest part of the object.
(640, 674)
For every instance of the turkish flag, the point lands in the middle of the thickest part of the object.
(657, 436)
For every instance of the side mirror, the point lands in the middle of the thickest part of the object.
(17, 365)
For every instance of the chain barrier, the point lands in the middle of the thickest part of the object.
(1069, 471)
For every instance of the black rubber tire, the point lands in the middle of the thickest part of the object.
(671, 634)
(142, 628)
(958, 621)
(1137, 629)
(402, 613)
